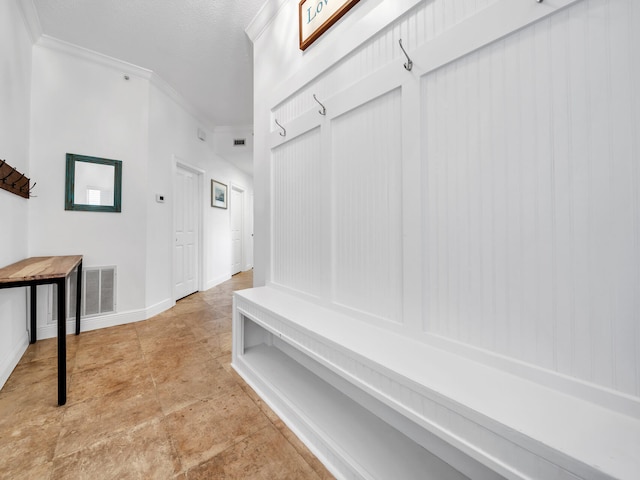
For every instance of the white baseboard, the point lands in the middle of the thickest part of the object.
(217, 281)
(104, 321)
(160, 307)
(10, 361)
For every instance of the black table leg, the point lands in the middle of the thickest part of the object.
(62, 341)
(78, 297)
(34, 307)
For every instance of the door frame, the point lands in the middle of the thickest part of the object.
(179, 163)
(243, 244)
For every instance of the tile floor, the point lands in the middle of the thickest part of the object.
(155, 399)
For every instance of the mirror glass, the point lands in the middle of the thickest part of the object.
(93, 184)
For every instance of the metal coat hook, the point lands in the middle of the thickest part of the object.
(31, 189)
(14, 184)
(4, 179)
(324, 110)
(409, 64)
(283, 133)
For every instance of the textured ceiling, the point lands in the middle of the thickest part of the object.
(198, 47)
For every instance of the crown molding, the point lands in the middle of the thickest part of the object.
(159, 82)
(45, 41)
(31, 19)
(263, 18)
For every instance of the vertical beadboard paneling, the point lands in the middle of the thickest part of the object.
(559, 131)
(580, 194)
(297, 201)
(531, 204)
(421, 24)
(624, 183)
(631, 290)
(367, 243)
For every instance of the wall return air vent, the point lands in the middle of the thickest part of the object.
(98, 292)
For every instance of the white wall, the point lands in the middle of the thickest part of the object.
(173, 136)
(15, 81)
(240, 157)
(58, 99)
(501, 220)
(87, 108)
(217, 221)
(83, 104)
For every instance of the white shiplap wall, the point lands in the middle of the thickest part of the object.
(298, 196)
(367, 229)
(422, 23)
(531, 207)
(521, 157)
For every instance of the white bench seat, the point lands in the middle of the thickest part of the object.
(513, 427)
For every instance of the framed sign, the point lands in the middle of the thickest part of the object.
(316, 16)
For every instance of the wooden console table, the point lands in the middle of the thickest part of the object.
(35, 271)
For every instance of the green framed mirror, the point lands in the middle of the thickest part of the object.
(93, 184)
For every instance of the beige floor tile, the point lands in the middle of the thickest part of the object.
(37, 371)
(157, 399)
(175, 360)
(99, 418)
(107, 378)
(226, 342)
(264, 455)
(33, 405)
(27, 448)
(48, 348)
(192, 304)
(209, 328)
(191, 383)
(178, 340)
(41, 471)
(140, 453)
(161, 326)
(206, 428)
(106, 336)
(95, 354)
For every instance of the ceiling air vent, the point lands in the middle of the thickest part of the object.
(238, 142)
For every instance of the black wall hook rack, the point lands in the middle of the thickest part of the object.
(13, 181)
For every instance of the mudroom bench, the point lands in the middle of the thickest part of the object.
(374, 404)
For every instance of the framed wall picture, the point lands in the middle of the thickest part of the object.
(218, 194)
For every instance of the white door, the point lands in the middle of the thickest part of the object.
(237, 215)
(186, 222)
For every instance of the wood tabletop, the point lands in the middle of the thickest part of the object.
(39, 268)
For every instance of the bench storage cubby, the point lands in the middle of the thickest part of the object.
(374, 404)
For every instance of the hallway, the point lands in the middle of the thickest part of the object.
(155, 399)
